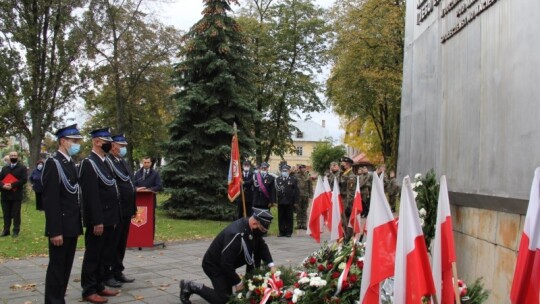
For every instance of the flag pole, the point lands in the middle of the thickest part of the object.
(434, 298)
(456, 287)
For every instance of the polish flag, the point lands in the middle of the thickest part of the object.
(413, 278)
(319, 209)
(328, 192)
(336, 227)
(380, 246)
(444, 253)
(354, 220)
(526, 284)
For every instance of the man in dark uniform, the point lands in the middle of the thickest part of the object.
(247, 186)
(12, 179)
(113, 273)
(101, 212)
(62, 212)
(287, 196)
(347, 188)
(264, 192)
(238, 244)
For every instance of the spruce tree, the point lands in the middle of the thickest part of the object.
(212, 82)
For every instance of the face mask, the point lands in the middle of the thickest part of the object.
(258, 233)
(40, 166)
(246, 169)
(74, 149)
(342, 168)
(106, 147)
(263, 173)
(13, 160)
(123, 151)
(285, 174)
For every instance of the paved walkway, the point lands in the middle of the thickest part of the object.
(157, 271)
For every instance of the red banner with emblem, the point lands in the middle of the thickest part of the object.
(235, 174)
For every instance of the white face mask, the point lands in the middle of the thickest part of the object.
(40, 166)
(246, 168)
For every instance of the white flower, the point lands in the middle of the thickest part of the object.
(341, 266)
(317, 282)
(313, 274)
(239, 295)
(422, 212)
(418, 184)
(277, 273)
(417, 176)
(303, 280)
(415, 194)
(422, 222)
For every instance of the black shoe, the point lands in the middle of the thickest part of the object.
(288, 235)
(4, 233)
(185, 292)
(112, 283)
(122, 279)
(15, 234)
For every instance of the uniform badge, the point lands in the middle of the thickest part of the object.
(250, 237)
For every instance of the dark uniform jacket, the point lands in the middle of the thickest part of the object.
(62, 208)
(21, 173)
(226, 252)
(152, 181)
(287, 190)
(260, 200)
(248, 186)
(125, 185)
(100, 201)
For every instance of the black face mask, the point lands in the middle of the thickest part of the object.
(342, 168)
(13, 160)
(106, 147)
(258, 233)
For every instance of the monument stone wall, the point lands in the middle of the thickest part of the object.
(470, 110)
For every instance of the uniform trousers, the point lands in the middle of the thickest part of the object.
(301, 213)
(59, 270)
(95, 259)
(118, 249)
(12, 210)
(285, 219)
(222, 288)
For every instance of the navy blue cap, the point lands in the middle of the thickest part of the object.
(263, 216)
(285, 167)
(264, 165)
(102, 133)
(68, 132)
(120, 139)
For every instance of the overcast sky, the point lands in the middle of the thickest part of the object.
(184, 13)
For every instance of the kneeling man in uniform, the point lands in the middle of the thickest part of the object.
(240, 243)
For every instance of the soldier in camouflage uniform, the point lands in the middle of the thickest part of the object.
(306, 192)
(333, 173)
(347, 187)
(392, 189)
(365, 187)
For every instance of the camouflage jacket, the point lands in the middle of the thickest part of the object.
(304, 184)
(347, 186)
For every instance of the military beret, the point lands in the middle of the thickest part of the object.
(263, 216)
(346, 160)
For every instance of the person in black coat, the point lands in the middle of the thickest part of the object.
(238, 244)
(12, 179)
(114, 272)
(37, 186)
(101, 212)
(287, 196)
(264, 191)
(147, 178)
(247, 186)
(62, 212)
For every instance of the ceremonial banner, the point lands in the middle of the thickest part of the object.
(235, 174)
(412, 274)
(526, 284)
(444, 252)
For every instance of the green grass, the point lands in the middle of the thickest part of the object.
(32, 240)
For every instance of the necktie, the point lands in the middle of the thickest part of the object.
(145, 174)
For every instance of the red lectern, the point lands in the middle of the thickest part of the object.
(141, 230)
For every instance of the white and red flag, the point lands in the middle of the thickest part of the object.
(444, 252)
(412, 275)
(526, 284)
(380, 245)
(356, 212)
(235, 174)
(319, 210)
(336, 227)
